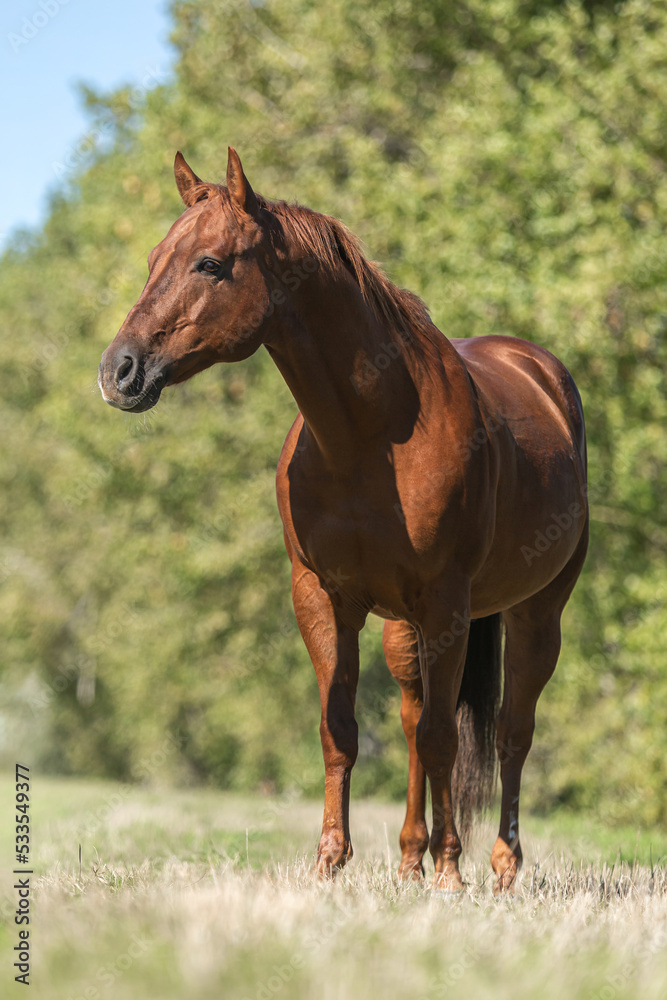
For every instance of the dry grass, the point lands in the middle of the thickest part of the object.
(204, 895)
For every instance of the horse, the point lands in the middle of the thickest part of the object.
(439, 484)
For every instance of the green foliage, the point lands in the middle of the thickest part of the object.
(507, 161)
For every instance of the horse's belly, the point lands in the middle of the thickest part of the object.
(525, 558)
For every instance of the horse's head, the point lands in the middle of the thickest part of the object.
(207, 296)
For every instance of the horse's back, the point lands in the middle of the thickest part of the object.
(525, 386)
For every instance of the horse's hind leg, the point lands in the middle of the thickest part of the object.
(532, 646)
(531, 651)
(401, 649)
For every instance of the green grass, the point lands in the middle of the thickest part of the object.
(202, 894)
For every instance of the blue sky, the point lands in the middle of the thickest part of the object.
(46, 47)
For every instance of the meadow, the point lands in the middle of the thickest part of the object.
(200, 893)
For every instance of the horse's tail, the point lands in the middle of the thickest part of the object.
(475, 771)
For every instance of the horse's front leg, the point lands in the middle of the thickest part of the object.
(334, 650)
(442, 650)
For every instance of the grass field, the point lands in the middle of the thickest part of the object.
(205, 895)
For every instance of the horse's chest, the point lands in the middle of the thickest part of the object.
(354, 533)
(361, 552)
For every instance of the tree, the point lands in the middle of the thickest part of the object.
(507, 162)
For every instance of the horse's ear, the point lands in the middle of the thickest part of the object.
(238, 185)
(186, 180)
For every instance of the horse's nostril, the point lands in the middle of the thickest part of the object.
(124, 370)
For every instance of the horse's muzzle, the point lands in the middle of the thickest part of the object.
(129, 382)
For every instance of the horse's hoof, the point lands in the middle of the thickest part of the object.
(411, 873)
(448, 895)
(505, 885)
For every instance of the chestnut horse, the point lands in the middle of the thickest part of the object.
(439, 484)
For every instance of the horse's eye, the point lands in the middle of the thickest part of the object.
(209, 265)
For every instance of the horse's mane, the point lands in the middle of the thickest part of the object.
(331, 243)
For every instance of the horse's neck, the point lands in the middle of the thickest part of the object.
(356, 382)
